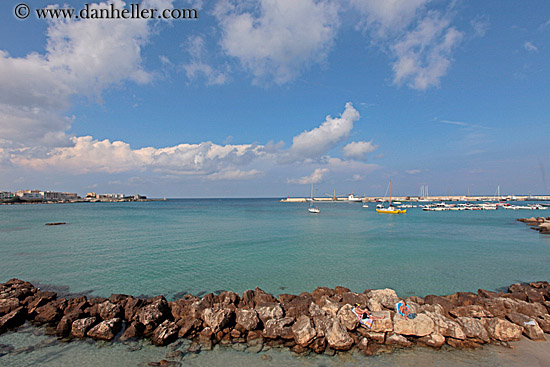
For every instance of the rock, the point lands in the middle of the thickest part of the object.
(338, 337)
(442, 301)
(248, 319)
(218, 319)
(474, 329)
(381, 321)
(303, 331)
(106, 330)
(80, 327)
(108, 310)
(320, 292)
(363, 344)
(64, 326)
(261, 297)
(386, 297)
(188, 327)
(165, 333)
(502, 330)
(269, 311)
(446, 326)
(456, 343)
(432, 340)
(13, 319)
(319, 345)
(544, 322)
(5, 349)
(322, 323)
(470, 311)
(347, 317)
(329, 307)
(396, 339)
(352, 298)
(374, 305)
(315, 310)
(7, 305)
(421, 325)
(152, 314)
(205, 338)
(274, 327)
(134, 331)
(531, 328)
(377, 337)
(487, 294)
(131, 307)
(47, 314)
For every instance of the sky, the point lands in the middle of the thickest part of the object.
(264, 98)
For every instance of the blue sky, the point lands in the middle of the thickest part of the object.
(261, 98)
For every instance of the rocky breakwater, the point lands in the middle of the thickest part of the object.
(540, 224)
(320, 322)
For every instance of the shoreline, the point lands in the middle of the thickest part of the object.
(318, 322)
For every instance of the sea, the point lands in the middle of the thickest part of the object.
(199, 246)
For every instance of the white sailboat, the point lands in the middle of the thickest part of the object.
(312, 209)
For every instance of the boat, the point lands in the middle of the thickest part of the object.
(353, 199)
(390, 209)
(365, 206)
(312, 209)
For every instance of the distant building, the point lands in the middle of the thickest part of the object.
(111, 196)
(6, 195)
(91, 195)
(30, 195)
(59, 196)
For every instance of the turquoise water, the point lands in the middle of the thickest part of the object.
(201, 246)
(207, 245)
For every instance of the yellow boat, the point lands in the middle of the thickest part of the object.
(390, 209)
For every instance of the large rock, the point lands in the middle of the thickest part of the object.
(47, 314)
(165, 333)
(106, 330)
(275, 328)
(337, 336)
(133, 331)
(432, 340)
(153, 314)
(303, 330)
(446, 326)
(470, 311)
(421, 325)
(399, 340)
(381, 322)
(329, 306)
(531, 328)
(322, 323)
(80, 327)
(7, 305)
(218, 319)
(13, 319)
(386, 297)
(269, 311)
(474, 329)
(347, 317)
(502, 330)
(248, 319)
(108, 310)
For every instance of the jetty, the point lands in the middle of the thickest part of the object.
(369, 199)
(322, 321)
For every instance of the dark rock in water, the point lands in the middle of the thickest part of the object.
(134, 331)
(13, 319)
(47, 314)
(106, 330)
(80, 327)
(55, 223)
(64, 326)
(5, 349)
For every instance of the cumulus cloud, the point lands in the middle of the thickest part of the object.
(317, 142)
(530, 47)
(413, 171)
(315, 177)
(359, 149)
(277, 39)
(234, 174)
(82, 57)
(198, 66)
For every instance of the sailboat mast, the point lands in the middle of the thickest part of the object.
(390, 192)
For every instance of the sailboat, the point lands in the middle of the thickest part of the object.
(312, 209)
(391, 209)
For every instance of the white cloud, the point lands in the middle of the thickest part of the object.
(424, 54)
(449, 122)
(277, 39)
(359, 149)
(413, 171)
(530, 47)
(315, 177)
(196, 48)
(234, 174)
(317, 142)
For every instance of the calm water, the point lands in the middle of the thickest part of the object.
(200, 246)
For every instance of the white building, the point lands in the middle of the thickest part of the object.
(6, 195)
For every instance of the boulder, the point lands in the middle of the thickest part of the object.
(475, 311)
(13, 319)
(303, 331)
(353, 298)
(269, 311)
(322, 323)
(531, 328)
(106, 330)
(261, 297)
(205, 338)
(188, 327)
(319, 345)
(131, 307)
(329, 306)
(248, 319)
(544, 322)
(421, 325)
(80, 327)
(502, 330)
(7, 305)
(474, 329)
(363, 344)
(347, 317)
(134, 331)
(315, 310)
(381, 322)
(274, 328)
(217, 319)
(433, 340)
(108, 310)
(165, 333)
(399, 340)
(386, 297)
(64, 326)
(47, 314)
(337, 336)
(377, 337)
(153, 314)
(446, 326)
(446, 304)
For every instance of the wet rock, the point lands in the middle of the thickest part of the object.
(421, 325)
(502, 330)
(5, 349)
(446, 326)
(133, 331)
(205, 338)
(531, 328)
(47, 314)
(80, 327)
(347, 317)
(396, 339)
(165, 333)
(188, 327)
(319, 345)
(218, 319)
(131, 307)
(462, 344)
(386, 297)
(432, 340)
(474, 329)
(297, 305)
(63, 328)
(338, 337)
(106, 330)
(13, 319)
(303, 331)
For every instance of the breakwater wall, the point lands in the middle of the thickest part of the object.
(321, 321)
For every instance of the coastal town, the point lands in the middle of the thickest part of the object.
(39, 196)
